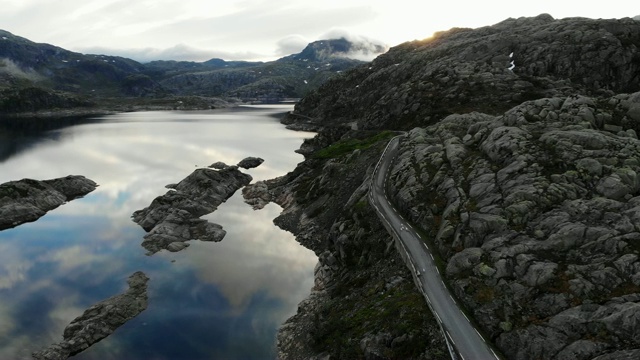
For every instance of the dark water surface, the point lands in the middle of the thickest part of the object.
(210, 301)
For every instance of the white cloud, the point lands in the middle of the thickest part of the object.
(363, 47)
(273, 261)
(9, 67)
(14, 272)
(291, 44)
(180, 52)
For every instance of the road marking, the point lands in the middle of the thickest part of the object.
(438, 316)
(481, 337)
(494, 353)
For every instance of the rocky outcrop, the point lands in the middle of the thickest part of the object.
(250, 162)
(100, 320)
(363, 303)
(27, 200)
(174, 218)
(536, 212)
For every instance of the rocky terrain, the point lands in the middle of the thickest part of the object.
(363, 303)
(28, 200)
(535, 213)
(173, 219)
(100, 320)
(520, 165)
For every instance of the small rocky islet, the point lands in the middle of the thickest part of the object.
(173, 219)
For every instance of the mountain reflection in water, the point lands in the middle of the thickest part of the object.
(211, 300)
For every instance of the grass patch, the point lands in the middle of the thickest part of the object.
(484, 294)
(400, 311)
(361, 205)
(343, 147)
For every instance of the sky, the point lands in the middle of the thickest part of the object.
(198, 30)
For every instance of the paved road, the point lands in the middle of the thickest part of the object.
(464, 341)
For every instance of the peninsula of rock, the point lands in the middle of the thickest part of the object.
(27, 200)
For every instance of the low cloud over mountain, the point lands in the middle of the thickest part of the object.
(362, 48)
(179, 52)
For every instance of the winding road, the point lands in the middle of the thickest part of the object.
(463, 340)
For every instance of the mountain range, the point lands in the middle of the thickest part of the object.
(42, 76)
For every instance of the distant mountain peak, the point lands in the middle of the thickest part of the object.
(322, 50)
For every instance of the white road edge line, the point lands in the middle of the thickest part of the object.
(482, 337)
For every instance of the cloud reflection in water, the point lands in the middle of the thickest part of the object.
(216, 300)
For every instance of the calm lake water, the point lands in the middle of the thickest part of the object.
(221, 300)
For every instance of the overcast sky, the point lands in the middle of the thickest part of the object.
(260, 29)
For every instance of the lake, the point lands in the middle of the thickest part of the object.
(221, 300)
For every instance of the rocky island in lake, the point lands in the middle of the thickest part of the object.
(174, 218)
(100, 320)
